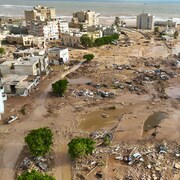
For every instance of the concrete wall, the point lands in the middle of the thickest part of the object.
(5, 69)
(26, 69)
(70, 40)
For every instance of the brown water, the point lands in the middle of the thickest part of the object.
(173, 92)
(154, 120)
(94, 120)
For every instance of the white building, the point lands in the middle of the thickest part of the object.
(3, 97)
(34, 65)
(63, 26)
(58, 55)
(145, 21)
(50, 30)
(104, 30)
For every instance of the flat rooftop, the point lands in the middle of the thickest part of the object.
(30, 51)
(13, 79)
(22, 61)
(56, 49)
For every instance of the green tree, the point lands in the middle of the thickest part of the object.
(39, 141)
(81, 27)
(79, 147)
(156, 30)
(59, 87)
(34, 175)
(86, 41)
(176, 34)
(2, 51)
(117, 21)
(88, 57)
(106, 39)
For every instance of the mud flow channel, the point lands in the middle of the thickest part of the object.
(154, 120)
(97, 120)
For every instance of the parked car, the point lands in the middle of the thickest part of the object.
(11, 119)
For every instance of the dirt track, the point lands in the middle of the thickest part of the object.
(13, 143)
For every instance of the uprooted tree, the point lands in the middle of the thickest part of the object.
(79, 147)
(88, 57)
(59, 87)
(39, 141)
(34, 175)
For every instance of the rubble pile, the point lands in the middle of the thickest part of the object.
(95, 94)
(121, 67)
(150, 161)
(41, 163)
(153, 75)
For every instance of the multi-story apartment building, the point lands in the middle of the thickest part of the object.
(71, 39)
(26, 40)
(145, 21)
(63, 25)
(50, 30)
(85, 18)
(40, 13)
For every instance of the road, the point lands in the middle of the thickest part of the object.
(14, 142)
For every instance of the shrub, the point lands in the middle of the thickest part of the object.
(59, 87)
(39, 141)
(88, 57)
(106, 39)
(34, 175)
(79, 147)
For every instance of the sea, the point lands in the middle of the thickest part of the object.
(161, 9)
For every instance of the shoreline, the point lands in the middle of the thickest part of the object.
(108, 16)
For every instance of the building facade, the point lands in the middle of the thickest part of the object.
(20, 85)
(26, 40)
(145, 21)
(40, 13)
(35, 65)
(50, 30)
(87, 18)
(58, 56)
(168, 23)
(70, 39)
(3, 97)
